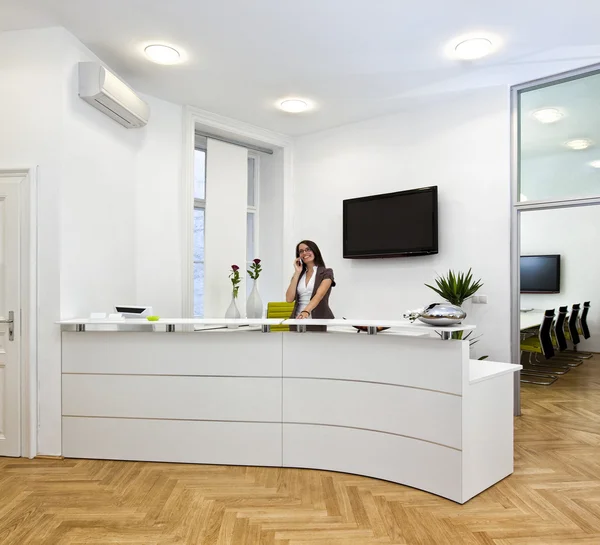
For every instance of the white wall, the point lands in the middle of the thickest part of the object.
(31, 110)
(574, 233)
(460, 144)
(93, 175)
(98, 199)
(158, 210)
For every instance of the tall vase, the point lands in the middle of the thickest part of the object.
(232, 312)
(254, 305)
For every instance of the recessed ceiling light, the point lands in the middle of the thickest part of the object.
(595, 164)
(578, 143)
(473, 48)
(547, 115)
(162, 54)
(294, 105)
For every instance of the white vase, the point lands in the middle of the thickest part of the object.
(254, 305)
(233, 313)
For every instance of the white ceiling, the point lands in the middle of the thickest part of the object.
(355, 59)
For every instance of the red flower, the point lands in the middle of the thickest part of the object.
(235, 268)
(257, 261)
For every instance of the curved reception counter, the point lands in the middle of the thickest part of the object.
(400, 405)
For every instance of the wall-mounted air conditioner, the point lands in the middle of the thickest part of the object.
(105, 91)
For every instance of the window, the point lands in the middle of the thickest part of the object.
(252, 216)
(199, 214)
(199, 217)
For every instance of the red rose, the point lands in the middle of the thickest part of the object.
(235, 268)
(257, 261)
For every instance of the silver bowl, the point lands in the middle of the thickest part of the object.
(442, 314)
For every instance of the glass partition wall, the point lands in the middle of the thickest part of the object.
(559, 139)
(555, 162)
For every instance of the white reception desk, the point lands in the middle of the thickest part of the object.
(401, 407)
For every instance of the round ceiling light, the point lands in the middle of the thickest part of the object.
(595, 164)
(162, 54)
(473, 48)
(578, 144)
(294, 105)
(547, 115)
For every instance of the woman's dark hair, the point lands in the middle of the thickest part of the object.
(315, 250)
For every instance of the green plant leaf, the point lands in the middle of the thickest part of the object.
(456, 287)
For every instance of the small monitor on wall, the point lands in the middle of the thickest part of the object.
(540, 274)
(392, 225)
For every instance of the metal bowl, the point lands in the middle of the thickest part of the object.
(442, 314)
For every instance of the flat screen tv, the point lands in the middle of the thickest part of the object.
(392, 225)
(540, 274)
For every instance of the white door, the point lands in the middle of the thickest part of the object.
(10, 289)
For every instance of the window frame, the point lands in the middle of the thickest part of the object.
(254, 210)
(199, 204)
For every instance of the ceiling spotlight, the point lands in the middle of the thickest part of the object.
(294, 105)
(595, 164)
(578, 144)
(162, 54)
(473, 48)
(547, 115)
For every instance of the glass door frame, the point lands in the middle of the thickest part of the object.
(518, 207)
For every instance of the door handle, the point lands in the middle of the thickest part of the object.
(11, 325)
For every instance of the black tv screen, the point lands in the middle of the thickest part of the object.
(392, 225)
(540, 274)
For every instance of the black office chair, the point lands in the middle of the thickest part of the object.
(542, 344)
(560, 342)
(585, 330)
(572, 333)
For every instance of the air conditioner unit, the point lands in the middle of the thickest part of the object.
(105, 91)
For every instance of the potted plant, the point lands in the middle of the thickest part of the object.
(456, 288)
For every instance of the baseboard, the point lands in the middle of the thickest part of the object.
(48, 457)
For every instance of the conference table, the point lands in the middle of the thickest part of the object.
(530, 318)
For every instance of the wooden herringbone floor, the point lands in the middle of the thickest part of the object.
(553, 497)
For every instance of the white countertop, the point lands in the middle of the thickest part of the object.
(401, 324)
(380, 323)
(480, 370)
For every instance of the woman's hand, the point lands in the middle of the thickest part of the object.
(303, 315)
(290, 294)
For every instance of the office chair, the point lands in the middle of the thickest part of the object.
(560, 342)
(572, 333)
(280, 310)
(542, 344)
(585, 330)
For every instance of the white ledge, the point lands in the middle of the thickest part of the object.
(480, 370)
(380, 323)
(404, 324)
(174, 321)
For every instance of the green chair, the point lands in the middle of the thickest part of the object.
(280, 310)
(542, 344)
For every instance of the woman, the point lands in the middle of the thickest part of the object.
(311, 285)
